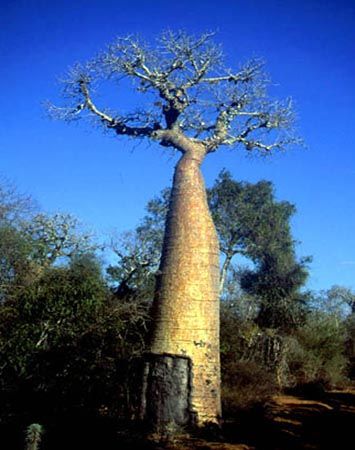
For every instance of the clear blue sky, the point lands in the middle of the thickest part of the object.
(309, 49)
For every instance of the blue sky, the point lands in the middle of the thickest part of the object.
(309, 50)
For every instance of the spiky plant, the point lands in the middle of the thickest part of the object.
(34, 434)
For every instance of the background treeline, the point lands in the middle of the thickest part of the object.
(72, 329)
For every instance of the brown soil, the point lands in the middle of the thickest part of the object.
(326, 421)
(288, 422)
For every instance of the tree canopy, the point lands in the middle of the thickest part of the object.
(192, 95)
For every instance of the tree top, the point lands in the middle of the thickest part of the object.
(195, 99)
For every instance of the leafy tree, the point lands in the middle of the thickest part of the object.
(198, 106)
(276, 282)
(264, 302)
(45, 307)
(277, 278)
(249, 221)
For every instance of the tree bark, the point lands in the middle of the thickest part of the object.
(166, 393)
(186, 304)
(224, 270)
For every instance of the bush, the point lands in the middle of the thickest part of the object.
(245, 385)
(316, 352)
(65, 345)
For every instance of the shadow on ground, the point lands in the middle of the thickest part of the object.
(294, 422)
(323, 421)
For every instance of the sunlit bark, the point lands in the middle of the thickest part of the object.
(186, 306)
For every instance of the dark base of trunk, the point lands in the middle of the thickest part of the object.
(166, 395)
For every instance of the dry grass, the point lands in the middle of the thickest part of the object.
(246, 385)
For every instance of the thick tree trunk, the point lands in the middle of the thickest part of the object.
(186, 305)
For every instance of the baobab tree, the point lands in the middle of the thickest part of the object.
(197, 105)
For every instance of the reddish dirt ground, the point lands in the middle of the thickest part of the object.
(290, 423)
(327, 422)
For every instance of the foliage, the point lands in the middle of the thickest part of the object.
(134, 273)
(15, 250)
(44, 315)
(350, 344)
(277, 281)
(317, 351)
(322, 351)
(15, 261)
(33, 436)
(66, 342)
(238, 331)
(338, 301)
(65, 338)
(249, 219)
(247, 380)
(244, 385)
(243, 341)
(253, 224)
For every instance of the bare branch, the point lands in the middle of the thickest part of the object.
(90, 105)
(251, 128)
(264, 148)
(247, 74)
(194, 95)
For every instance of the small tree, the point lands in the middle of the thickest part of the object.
(198, 105)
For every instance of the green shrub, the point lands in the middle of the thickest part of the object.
(316, 352)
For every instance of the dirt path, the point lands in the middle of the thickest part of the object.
(290, 423)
